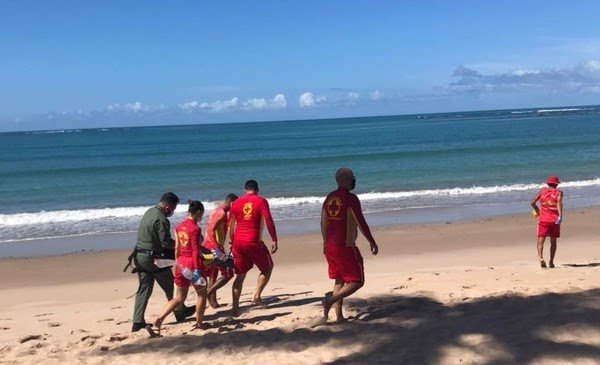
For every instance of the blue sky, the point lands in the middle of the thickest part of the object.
(80, 64)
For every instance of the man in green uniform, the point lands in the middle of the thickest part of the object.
(153, 239)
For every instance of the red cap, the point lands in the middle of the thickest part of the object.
(552, 180)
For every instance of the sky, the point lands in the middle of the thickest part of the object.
(87, 64)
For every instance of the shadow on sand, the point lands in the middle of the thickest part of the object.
(396, 329)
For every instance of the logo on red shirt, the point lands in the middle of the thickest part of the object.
(183, 238)
(334, 206)
(247, 210)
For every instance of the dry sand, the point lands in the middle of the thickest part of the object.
(460, 293)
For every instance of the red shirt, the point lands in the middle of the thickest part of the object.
(248, 213)
(216, 229)
(188, 240)
(549, 205)
(341, 216)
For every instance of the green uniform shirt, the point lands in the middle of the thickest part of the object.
(154, 232)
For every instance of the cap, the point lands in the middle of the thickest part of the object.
(552, 180)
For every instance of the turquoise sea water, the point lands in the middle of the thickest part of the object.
(77, 182)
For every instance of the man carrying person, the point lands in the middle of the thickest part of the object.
(216, 231)
(341, 215)
(154, 239)
(245, 230)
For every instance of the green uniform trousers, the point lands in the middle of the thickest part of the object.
(150, 273)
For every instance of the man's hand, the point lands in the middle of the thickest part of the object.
(374, 249)
(559, 219)
(274, 247)
(195, 276)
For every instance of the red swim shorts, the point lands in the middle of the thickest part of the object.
(180, 280)
(548, 229)
(345, 263)
(246, 255)
(213, 272)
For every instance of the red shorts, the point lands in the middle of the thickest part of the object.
(548, 229)
(345, 263)
(180, 280)
(213, 272)
(246, 255)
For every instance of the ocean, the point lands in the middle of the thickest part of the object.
(409, 168)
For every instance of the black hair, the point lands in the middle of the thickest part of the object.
(251, 185)
(231, 197)
(553, 185)
(169, 198)
(195, 206)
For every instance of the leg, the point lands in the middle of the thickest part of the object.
(553, 241)
(346, 290)
(236, 292)
(165, 280)
(141, 299)
(261, 282)
(171, 305)
(212, 292)
(540, 250)
(338, 305)
(200, 305)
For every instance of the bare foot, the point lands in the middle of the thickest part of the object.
(158, 324)
(543, 264)
(235, 312)
(551, 264)
(326, 308)
(341, 319)
(200, 326)
(214, 304)
(151, 332)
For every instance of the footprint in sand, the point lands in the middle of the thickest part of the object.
(30, 338)
(398, 288)
(117, 338)
(4, 328)
(436, 273)
(43, 314)
(54, 324)
(467, 286)
(116, 307)
(106, 320)
(123, 322)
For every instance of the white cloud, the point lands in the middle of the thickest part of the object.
(308, 100)
(135, 107)
(376, 95)
(584, 77)
(278, 102)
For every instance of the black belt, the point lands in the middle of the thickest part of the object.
(144, 251)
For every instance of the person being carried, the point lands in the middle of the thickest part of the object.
(550, 215)
(245, 230)
(187, 254)
(214, 241)
(154, 240)
(341, 215)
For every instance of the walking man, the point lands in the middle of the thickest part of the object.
(341, 215)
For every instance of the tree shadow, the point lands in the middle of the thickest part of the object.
(508, 329)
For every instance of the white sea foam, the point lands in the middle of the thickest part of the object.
(51, 217)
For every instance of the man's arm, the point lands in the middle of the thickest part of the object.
(222, 218)
(231, 226)
(362, 224)
(559, 206)
(534, 201)
(163, 228)
(324, 225)
(266, 214)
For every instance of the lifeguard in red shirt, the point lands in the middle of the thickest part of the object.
(549, 218)
(248, 215)
(341, 217)
(214, 241)
(187, 254)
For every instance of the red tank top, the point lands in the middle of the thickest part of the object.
(549, 205)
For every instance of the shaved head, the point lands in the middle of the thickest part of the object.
(345, 178)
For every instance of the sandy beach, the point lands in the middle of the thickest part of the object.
(449, 293)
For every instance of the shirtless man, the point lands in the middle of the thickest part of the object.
(214, 241)
(340, 217)
(248, 213)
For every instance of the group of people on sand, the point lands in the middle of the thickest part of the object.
(202, 261)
